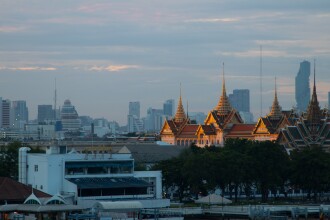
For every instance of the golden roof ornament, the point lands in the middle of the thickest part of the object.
(180, 116)
(223, 107)
(313, 110)
(276, 110)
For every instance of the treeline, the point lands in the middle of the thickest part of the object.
(247, 166)
(9, 159)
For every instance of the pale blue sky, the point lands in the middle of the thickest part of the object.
(104, 54)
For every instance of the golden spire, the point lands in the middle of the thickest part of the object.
(276, 111)
(180, 116)
(313, 110)
(223, 107)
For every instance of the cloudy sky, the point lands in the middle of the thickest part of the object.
(104, 54)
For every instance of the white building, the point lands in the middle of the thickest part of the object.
(89, 178)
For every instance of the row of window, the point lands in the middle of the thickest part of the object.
(189, 142)
(98, 170)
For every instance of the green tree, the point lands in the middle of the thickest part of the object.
(310, 170)
(270, 165)
(237, 166)
(9, 160)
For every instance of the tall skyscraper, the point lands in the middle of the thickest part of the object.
(303, 93)
(134, 123)
(168, 107)
(21, 114)
(240, 100)
(6, 114)
(155, 119)
(45, 112)
(134, 109)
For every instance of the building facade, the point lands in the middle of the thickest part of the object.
(169, 107)
(21, 114)
(69, 117)
(6, 114)
(181, 131)
(45, 113)
(134, 109)
(302, 86)
(240, 100)
(89, 177)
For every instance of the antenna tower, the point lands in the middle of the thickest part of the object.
(55, 99)
(260, 80)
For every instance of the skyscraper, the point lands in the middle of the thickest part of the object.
(6, 114)
(134, 123)
(168, 107)
(154, 120)
(329, 100)
(303, 93)
(240, 100)
(134, 109)
(45, 112)
(69, 117)
(21, 113)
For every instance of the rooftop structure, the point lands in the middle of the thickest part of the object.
(310, 130)
(90, 176)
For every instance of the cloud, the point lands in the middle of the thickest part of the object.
(91, 8)
(213, 20)
(28, 68)
(11, 29)
(113, 68)
(255, 53)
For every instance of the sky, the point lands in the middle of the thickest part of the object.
(104, 54)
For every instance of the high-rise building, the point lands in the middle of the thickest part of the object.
(155, 119)
(45, 113)
(329, 100)
(69, 117)
(168, 107)
(134, 124)
(21, 114)
(6, 114)
(134, 109)
(240, 100)
(303, 93)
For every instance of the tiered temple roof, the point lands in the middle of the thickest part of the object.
(312, 129)
(223, 107)
(274, 121)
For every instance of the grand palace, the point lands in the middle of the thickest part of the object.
(292, 130)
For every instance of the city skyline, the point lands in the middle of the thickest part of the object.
(104, 54)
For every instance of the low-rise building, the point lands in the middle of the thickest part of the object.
(92, 176)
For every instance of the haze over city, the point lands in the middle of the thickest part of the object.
(104, 54)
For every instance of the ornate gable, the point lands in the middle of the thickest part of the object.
(210, 119)
(166, 130)
(261, 128)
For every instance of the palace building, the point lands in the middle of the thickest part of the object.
(218, 123)
(311, 129)
(268, 127)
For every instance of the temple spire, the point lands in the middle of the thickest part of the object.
(223, 107)
(180, 116)
(276, 110)
(313, 110)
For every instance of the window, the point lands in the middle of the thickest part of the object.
(35, 168)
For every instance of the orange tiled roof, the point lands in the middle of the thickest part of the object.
(241, 130)
(188, 131)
